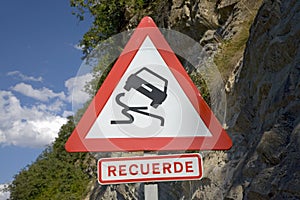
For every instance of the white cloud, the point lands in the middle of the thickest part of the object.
(43, 94)
(37, 125)
(75, 92)
(75, 86)
(33, 126)
(55, 106)
(78, 46)
(3, 194)
(25, 77)
(67, 114)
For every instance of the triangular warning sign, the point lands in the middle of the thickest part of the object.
(148, 102)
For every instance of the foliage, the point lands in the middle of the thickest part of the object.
(197, 78)
(201, 85)
(231, 51)
(104, 63)
(110, 17)
(55, 174)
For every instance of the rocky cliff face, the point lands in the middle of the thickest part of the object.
(263, 96)
(264, 109)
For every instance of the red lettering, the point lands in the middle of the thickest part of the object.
(166, 167)
(189, 166)
(131, 171)
(178, 167)
(122, 170)
(142, 169)
(155, 168)
(112, 170)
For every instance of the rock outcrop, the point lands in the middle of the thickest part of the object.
(264, 109)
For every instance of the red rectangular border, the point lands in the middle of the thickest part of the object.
(105, 182)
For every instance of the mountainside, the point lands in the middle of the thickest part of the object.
(261, 72)
(264, 107)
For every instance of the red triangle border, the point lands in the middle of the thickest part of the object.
(77, 141)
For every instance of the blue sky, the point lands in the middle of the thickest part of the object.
(39, 59)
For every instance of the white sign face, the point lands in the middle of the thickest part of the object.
(148, 102)
(149, 168)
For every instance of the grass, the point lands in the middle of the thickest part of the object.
(231, 51)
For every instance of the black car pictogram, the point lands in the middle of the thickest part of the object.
(155, 94)
(138, 83)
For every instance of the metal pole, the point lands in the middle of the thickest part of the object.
(151, 192)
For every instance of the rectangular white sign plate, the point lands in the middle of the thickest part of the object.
(150, 168)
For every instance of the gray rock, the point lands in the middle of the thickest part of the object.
(267, 100)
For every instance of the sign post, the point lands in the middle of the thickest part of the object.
(151, 192)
